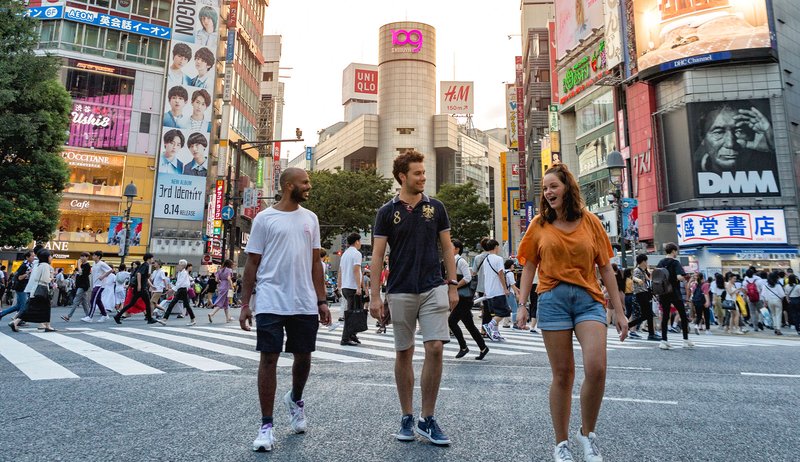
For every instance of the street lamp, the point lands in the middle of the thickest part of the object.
(130, 193)
(616, 165)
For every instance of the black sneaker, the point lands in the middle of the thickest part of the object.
(654, 337)
(429, 429)
(462, 353)
(117, 319)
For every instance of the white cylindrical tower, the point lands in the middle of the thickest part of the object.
(406, 95)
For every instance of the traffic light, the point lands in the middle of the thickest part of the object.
(298, 133)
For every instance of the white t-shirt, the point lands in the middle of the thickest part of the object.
(510, 280)
(350, 259)
(98, 269)
(285, 241)
(159, 280)
(462, 268)
(491, 282)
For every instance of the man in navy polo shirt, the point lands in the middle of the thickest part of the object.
(411, 223)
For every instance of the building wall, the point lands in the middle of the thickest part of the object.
(644, 187)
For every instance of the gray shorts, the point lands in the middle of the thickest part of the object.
(431, 308)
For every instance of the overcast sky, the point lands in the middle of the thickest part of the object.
(471, 36)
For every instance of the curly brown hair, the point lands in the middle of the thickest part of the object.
(573, 202)
(401, 163)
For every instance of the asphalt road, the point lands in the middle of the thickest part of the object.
(154, 404)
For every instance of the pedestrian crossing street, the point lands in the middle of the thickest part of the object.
(134, 351)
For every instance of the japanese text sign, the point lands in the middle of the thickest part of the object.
(731, 227)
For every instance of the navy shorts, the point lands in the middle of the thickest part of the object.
(566, 305)
(498, 306)
(301, 332)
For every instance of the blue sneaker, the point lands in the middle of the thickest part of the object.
(429, 429)
(406, 432)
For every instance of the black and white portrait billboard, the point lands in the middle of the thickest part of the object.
(733, 148)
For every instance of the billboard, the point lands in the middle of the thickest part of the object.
(575, 20)
(457, 97)
(733, 148)
(677, 34)
(116, 231)
(186, 132)
(360, 82)
(732, 227)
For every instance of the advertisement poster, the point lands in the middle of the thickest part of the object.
(186, 133)
(733, 148)
(116, 230)
(101, 122)
(457, 97)
(671, 35)
(575, 20)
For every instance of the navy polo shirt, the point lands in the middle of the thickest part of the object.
(413, 237)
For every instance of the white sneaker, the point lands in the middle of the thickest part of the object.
(591, 451)
(664, 345)
(333, 326)
(562, 452)
(191, 323)
(264, 441)
(708, 332)
(688, 345)
(696, 330)
(102, 318)
(297, 413)
(86, 319)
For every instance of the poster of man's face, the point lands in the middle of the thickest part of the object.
(733, 148)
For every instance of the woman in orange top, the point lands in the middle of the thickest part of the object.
(566, 242)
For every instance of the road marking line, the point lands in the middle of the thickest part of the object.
(203, 345)
(116, 362)
(391, 385)
(249, 341)
(634, 400)
(759, 374)
(196, 361)
(626, 368)
(30, 362)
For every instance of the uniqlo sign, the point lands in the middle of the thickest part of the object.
(366, 82)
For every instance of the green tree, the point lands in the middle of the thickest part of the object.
(346, 201)
(469, 217)
(34, 116)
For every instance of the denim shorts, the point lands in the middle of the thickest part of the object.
(566, 305)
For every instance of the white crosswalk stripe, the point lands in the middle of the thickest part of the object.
(29, 352)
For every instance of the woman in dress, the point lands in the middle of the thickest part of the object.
(224, 284)
(38, 306)
(568, 244)
(121, 286)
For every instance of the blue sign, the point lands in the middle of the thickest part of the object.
(308, 153)
(227, 212)
(529, 211)
(45, 12)
(114, 22)
(694, 60)
(230, 46)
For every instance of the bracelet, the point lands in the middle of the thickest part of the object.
(322, 302)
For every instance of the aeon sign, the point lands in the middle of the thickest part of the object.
(402, 37)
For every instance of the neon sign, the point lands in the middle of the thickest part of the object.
(402, 37)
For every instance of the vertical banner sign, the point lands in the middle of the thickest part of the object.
(219, 195)
(523, 185)
(504, 200)
(276, 166)
(180, 191)
(309, 153)
(511, 115)
(260, 173)
(212, 202)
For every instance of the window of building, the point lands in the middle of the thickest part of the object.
(94, 173)
(144, 123)
(405, 131)
(594, 113)
(267, 77)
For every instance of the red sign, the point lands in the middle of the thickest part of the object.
(551, 29)
(366, 82)
(276, 151)
(515, 169)
(219, 192)
(523, 184)
(232, 14)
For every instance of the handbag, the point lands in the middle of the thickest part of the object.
(355, 320)
(473, 283)
(728, 305)
(42, 290)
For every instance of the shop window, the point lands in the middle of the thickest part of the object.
(144, 123)
(95, 174)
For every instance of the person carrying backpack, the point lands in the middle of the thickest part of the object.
(753, 285)
(666, 280)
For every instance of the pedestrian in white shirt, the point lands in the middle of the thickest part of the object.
(101, 277)
(159, 283)
(350, 284)
(182, 284)
(773, 294)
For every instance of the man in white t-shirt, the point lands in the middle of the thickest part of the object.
(159, 283)
(350, 285)
(101, 279)
(283, 265)
(495, 289)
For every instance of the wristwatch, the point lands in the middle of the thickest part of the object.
(322, 302)
(452, 282)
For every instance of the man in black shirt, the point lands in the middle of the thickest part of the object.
(21, 278)
(141, 289)
(82, 284)
(676, 276)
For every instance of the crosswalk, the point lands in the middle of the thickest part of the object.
(136, 351)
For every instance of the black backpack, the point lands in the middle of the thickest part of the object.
(660, 280)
